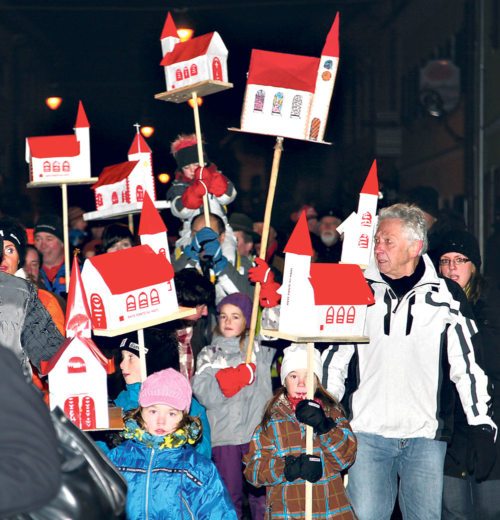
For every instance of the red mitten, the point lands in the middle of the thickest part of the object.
(218, 184)
(204, 173)
(261, 272)
(231, 380)
(269, 296)
(192, 198)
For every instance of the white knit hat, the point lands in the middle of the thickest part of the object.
(295, 358)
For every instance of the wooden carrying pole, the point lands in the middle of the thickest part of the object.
(64, 188)
(278, 149)
(309, 429)
(142, 354)
(201, 160)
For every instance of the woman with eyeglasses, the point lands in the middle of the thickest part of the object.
(471, 488)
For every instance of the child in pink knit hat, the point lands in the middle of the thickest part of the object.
(166, 477)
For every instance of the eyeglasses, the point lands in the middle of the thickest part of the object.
(457, 261)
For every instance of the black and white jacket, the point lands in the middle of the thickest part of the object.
(399, 384)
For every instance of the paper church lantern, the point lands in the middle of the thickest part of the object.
(187, 63)
(61, 157)
(359, 227)
(289, 95)
(132, 288)
(320, 300)
(78, 372)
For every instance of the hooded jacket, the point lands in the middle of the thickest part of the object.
(169, 482)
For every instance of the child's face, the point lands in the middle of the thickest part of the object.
(189, 170)
(296, 383)
(161, 419)
(231, 321)
(130, 367)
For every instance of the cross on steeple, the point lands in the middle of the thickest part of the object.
(137, 126)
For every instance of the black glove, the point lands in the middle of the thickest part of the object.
(311, 413)
(292, 467)
(481, 452)
(311, 467)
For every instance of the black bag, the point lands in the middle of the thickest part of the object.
(91, 488)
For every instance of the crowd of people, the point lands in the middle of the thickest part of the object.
(408, 417)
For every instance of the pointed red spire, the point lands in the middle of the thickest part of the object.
(299, 242)
(331, 47)
(370, 187)
(139, 145)
(169, 29)
(81, 117)
(151, 222)
(78, 321)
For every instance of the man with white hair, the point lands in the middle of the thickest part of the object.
(397, 388)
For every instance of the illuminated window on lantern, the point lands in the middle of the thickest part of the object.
(193, 70)
(139, 194)
(143, 300)
(131, 304)
(277, 104)
(341, 315)
(56, 167)
(330, 315)
(258, 105)
(66, 166)
(46, 166)
(296, 106)
(351, 314)
(178, 75)
(155, 297)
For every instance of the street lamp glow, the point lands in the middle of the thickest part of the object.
(53, 102)
(163, 178)
(147, 131)
(185, 34)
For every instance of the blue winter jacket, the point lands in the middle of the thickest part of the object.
(129, 400)
(170, 483)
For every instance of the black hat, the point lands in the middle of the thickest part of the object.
(242, 222)
(13, 231)
(332, 212)
(161, 349)
(463, 242)
(425, 197)
(50, 224)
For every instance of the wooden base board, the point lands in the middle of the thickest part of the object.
(203, 88)
(122, 210)
(297, 338)
(183, 312)
(115, 420)
(60, 182)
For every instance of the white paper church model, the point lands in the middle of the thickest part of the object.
(78, 372)
(289, 95)
(61, 157)
(359, 227)
(122, 184)
(132, 288)
(190, 62)
(320, 300)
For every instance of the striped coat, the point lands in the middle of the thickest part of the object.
(286, 436)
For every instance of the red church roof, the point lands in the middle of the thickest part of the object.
(169, 28)
(139, 145)
(370, 186)
(340, 284)
(108, 364)
(331, 47)
(115, 173)
(277, 69)
(54, 146)
(81, 117)
(188, 50)
(133, 268)
(151, 222)
(299, 242)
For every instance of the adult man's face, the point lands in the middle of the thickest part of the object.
(51, 248)
(395, 254)
(328, 230)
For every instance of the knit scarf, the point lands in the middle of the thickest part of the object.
(187, 435)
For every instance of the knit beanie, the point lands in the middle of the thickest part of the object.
(458, 241)
(168, 387)
(242, 301)
(185, 150)
(295, 358)
(161, 350)
(50, 224)
(13, 231)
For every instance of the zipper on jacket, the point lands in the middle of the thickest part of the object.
(148, 477)
(187, 507)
